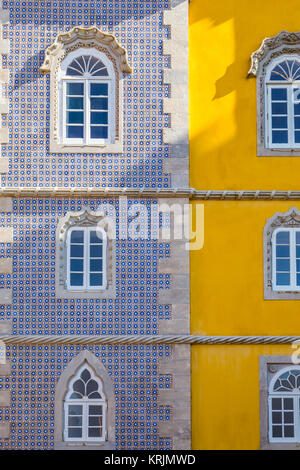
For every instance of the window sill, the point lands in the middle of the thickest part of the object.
(279, 152)
(56, 147)
(106, 445)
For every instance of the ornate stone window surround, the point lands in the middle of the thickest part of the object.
(290, 219)
(85, 218)
(282, 45)
(72, 42)
(88, 359)
(269, 368)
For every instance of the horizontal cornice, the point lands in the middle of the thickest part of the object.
(189, 193)
(145, 339)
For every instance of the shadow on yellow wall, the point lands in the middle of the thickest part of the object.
(223, 100)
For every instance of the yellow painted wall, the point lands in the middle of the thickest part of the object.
(227, 274)
(223, 34)
(225, 395)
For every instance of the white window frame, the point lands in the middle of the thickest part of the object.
(295, 395)
(85, 403)
(293, 285)
(86, 79)
(289, 86)
(86, 258)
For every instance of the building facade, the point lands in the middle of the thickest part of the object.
(94, 129)
(245, 166)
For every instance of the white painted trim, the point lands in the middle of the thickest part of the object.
(86, 259)
(288, 85)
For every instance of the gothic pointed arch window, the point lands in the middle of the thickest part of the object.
(284, 406)
(85, 408)
(87, 68)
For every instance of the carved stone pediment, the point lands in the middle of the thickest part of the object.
(282, 39)
(287, 219)
(81, 35)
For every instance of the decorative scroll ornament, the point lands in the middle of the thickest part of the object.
(79, 34)
(284, 38)
(291, 218)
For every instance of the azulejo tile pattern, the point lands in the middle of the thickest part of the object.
(35, 309)
(138, 27)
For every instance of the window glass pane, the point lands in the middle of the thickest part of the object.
(283, 265)
(95, 421)
(76, 279)
(75, 117)
(77, 236)
(77, 265)
(96, 265)
(99, 89)
(288, 431)
(298, 237)
(297, 137)
(75, 421)
(96, 251)
(75, 132)
(277, 431)
(99, 132)
(100, 103)
(297, 122)
(75, 410)
(75, 432)
(288, 403)
(75, 89)
(282, 251)
(99, 118)
(283, 238)
(96, 279)
(288, 417)
(297, 109)
(297, 251)
(95, 432)
(94, 238)
(280, 137)
(76, 251)
(282, 279)
(279, 108)
(95, 410)
(279, 94)
(279, 122)
(276, 417)
(74, 103)
(276, 403)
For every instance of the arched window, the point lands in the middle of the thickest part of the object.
(282, 114)
(87, 98)
(86, 258)
(85, 408)
(284, 406)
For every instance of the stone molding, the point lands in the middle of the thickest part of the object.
(177, 105)
(60, 392)
(282, 39)
(78, 34)
(289, 219)
(84, 218)
(178, 398)
(76, 38)
(5, 296)
(5, 398)
(180, 192)
(4, 430)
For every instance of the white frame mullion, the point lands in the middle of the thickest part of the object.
(290, 110)
(296, 408)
